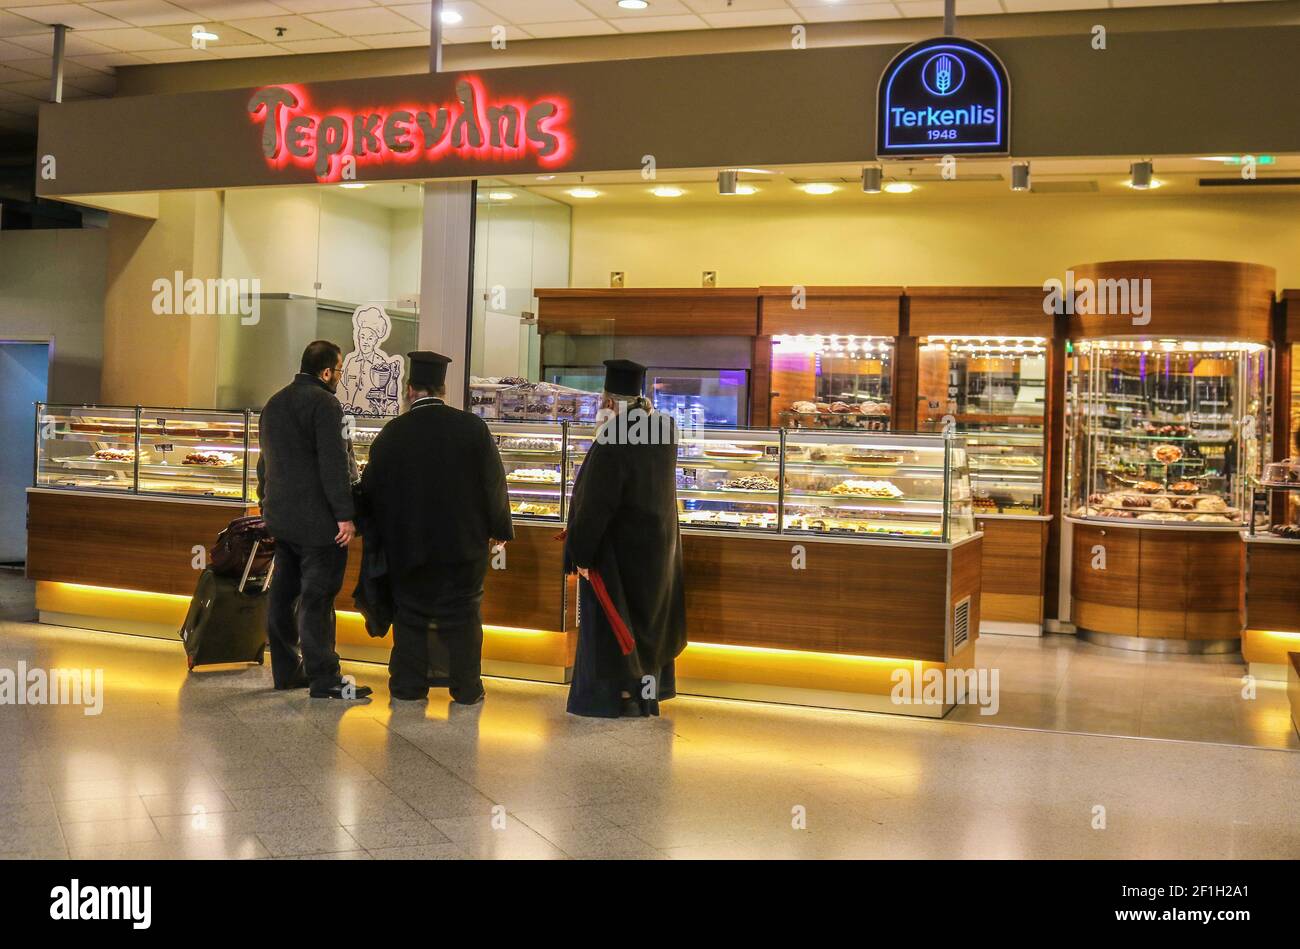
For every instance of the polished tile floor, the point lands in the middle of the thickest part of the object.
(217, 765)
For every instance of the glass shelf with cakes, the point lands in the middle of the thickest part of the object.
(915, 487)
(1006, 473)
(729, 478)
(1167, 432)
(146, 450)
(533, 455)
(1273, 501)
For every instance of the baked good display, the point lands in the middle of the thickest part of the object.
(1212, 519)
(1289, 531)
(534, 508)
(984, 504)
(1115, 512)
(875, 456)
(1135, 500)
(1167, 454)
(1212, 505)
(867, 489)
(1183, 504)
(530, 444)
(1148, 487)
(210, 459)
(839, 408)
(1183, 487)
(750, 483)
(804, 408)
(535, 475)
(1161, 504)
(114, 454)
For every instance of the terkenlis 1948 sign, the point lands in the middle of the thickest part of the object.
(945, 96)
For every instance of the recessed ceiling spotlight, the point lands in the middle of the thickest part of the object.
(583, 193)
(899, 187)
(501, 196)
(205, 34)
(633, 4)
(450, 17)
(818, 187)
(667, 191)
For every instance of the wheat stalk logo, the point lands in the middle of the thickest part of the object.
(943, 74)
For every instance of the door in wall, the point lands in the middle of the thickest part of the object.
(24, 380)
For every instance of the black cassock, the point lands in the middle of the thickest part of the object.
(435, 492)
(623, 525)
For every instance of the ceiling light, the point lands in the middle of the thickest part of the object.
(755, 171)
(818, 187)
(545, 177)
(583, 193)
(1141, 175)
(205, 34)
(667, 191)
(899, 187)
(633, 4)
(871, 176)
(501, 196)
(727, 182)
(450, 17)
(352, 185)
(1020, 176)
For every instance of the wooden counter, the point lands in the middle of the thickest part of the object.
(1272, 604)
(787, 618)
(1014, 575)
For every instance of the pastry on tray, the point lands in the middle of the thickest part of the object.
(114, 454)
(210, 459)
(1183, 487)
(535, 475)
(869, 489)
(1135, 500)
(1167, 454)
(1148, 487)
(1211, 505)
(751, 483)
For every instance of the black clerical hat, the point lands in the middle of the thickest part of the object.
(624, 377)
(428, 370)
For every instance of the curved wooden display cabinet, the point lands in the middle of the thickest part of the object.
(1189, 299)
(1159, 590)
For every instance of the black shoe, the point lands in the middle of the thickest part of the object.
(342, 690)
(415, 696)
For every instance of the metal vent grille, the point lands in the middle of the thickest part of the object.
(960, 624)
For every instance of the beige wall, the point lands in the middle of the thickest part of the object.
(895, 239)
(152, 359)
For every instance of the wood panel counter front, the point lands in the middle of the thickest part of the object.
(127, 564)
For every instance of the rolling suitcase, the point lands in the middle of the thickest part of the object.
(226, 621)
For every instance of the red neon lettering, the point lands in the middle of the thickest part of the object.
(475, 126)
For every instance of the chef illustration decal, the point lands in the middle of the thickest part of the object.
(371, 378)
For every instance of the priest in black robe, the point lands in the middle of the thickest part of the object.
(623, 541)
(435, 490)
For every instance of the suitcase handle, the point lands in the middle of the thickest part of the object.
(248, 568)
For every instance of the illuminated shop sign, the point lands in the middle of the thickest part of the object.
(475, 127)
(943, 96)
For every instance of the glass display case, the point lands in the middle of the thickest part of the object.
(1167, 431)
(146, 450)
(992, 390)
(534, 462)
(832, 381)
(914, 486)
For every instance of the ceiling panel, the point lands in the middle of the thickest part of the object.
(141, 12)
(371, 21)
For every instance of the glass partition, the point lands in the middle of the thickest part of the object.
(832, 381)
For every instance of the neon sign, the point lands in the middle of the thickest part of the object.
(475, 127)
(943, 96)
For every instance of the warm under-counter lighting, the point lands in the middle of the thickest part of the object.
(818, 187)
(899, 187)
(667, 191)
(583, 193)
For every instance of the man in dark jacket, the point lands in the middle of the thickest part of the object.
(437, 493)
(305, 488)
(623, 541)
